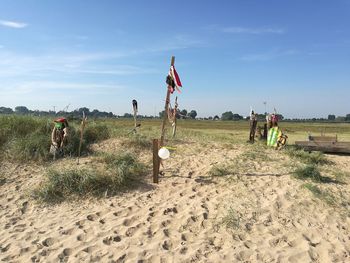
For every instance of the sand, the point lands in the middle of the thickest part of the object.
(181, 219)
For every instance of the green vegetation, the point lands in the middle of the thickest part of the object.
(24, 138)
(306, 157)
(320, 194)
(312, 172)
(120, 171)
(232, 219)
(222, 170)
(138, 141)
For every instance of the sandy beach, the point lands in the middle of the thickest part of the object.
(261, 215)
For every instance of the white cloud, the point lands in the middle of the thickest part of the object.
(255, 31)
(84, 63)
(13, 24)
(269, 55)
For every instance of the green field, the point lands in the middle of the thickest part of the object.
(24, 133)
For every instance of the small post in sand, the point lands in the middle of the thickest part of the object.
(82, 126)
(155, 160)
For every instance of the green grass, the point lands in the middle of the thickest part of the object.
(232, 219)
(312, 172)
(320, 194)
(221, 170)
(121, 171)
(306, 157)
(26, 138)
(138, 141)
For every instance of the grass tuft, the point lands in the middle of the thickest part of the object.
(320, 194)
(232, 219)
(25, 138)
(122, 171)
(306, 157)
(138, 141)
(221, 170)
(312, 172)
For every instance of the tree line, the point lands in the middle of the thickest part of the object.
(180, 114)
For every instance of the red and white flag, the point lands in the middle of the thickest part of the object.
(176, 78)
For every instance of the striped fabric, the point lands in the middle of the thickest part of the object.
(272, 136)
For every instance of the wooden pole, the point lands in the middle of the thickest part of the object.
(83, 122)
(155, 160)
(167, 100)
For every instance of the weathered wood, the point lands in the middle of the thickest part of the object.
(82, 127)
(155, 160)
(323, 138)
(324, 146)
(167, 100)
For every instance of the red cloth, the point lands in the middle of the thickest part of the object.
(61, 120)
(176, 78)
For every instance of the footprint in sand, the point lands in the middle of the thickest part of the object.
(24, 207)
(167, 245)
(81, 237)
(108, 240)
(48, 242)
(92, 217)
(166, 232)
(172, 210)
(80, 223)
(183, 250)
(69, 231)
(129, 221)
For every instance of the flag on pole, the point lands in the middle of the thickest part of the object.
(176, 78)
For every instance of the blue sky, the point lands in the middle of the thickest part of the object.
(230, 55)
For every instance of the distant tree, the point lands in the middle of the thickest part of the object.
(331, 117)
(4, 110)
(227, 116)
(347, 117)
(280, 117)
(128, 115)
(85, 110)
(340, 118)
(237, 117)
(192, 114)
(216, 117)
(21, 110)
(183, 112)
(161, 114)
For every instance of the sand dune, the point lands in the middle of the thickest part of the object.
(182, 219)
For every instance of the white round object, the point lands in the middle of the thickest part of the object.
(163, 153)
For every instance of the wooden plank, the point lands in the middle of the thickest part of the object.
(327, 147)
(323, 138)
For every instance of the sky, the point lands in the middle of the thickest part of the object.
(230, 55)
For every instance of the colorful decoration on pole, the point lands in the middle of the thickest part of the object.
(173, 83)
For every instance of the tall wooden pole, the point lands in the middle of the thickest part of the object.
(167, 100)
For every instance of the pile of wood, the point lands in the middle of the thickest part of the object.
(326, 144)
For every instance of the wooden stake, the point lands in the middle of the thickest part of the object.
(155, 160)
(83, 123)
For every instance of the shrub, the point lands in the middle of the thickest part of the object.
(121, 172)
(94, 133)
(29, 138)
(306, 157)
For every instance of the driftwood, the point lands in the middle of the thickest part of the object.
(326, 144)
